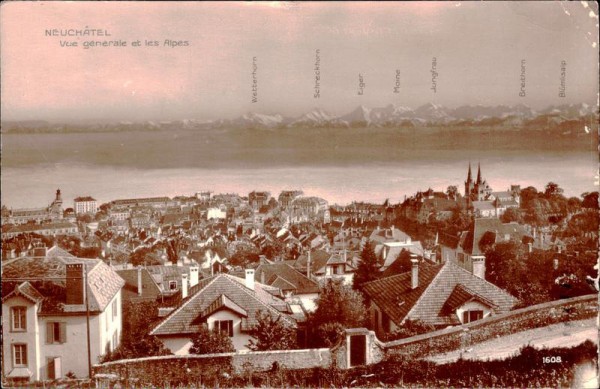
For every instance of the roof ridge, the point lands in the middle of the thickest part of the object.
(482, 279)
(184, 303)
(253, 295)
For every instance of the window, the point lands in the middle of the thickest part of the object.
(19, 355)
(172, 285)
(114, 309)
(469, 316)
(19, 318)
(115, 340)
(225, 326)
(56, 332)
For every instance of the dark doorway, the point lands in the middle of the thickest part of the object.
(358, 350)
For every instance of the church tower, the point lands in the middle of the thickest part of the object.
(469, 183)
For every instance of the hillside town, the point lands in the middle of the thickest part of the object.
(86, 285)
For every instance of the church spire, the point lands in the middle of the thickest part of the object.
(478, 173)
(469, 175)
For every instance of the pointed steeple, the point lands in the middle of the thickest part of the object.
(469, 179)
(478, 173)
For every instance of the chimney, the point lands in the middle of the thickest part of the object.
(414, 277)
(308, 265)
(184, 286)
(139, 280)
(75, 283)
(479, 266)
(250, 279)
(194, 275)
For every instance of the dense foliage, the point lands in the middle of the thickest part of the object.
(539, 276)
(271, 334)
(410, 328)
(214, 341)
(338, 307)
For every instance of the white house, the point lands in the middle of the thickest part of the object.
(44, 325)
(223, 302)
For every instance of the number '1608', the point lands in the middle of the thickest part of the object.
(552, 359)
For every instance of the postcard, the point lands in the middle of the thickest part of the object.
(309, 194)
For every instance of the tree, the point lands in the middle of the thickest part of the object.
(452, 192)
(244, 256)
(271, 334)
(338, 307)
(552, 189)
(213, 341)
(368, 268)
(512, 215)
(590, 200)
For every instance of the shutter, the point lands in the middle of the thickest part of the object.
(51, 369)
(49, 332)
(63, 332)
(57, 368)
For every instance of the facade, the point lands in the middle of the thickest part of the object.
(257, 200)
(47, 229)
(44, 319)
(52, 212)
(223, 302)
(83, 205)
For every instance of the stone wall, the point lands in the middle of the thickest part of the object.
(202, 369)
(541, 315)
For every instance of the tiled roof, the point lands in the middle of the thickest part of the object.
(86, 198)
(318, 261)
(56, 251)
(26, 290)
(222, 302)
(184, 319)
(394, 296)
(389, 235)
(150, 289)
(459, 296)
(429, 307)
(48, 276)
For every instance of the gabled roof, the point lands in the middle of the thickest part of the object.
(184, 319)
(461, 295)
(394, 296)
(48, 276)
(26, 290)
(56, 251)
(150, 289)
(222, 302)
(318, 261)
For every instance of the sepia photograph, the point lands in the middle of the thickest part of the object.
(288, 194)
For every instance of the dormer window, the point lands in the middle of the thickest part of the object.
(473, 315)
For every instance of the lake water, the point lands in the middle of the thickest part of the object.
(339, 167)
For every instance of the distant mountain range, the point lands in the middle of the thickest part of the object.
(503, 116)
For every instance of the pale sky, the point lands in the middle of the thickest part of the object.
(478, 49)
